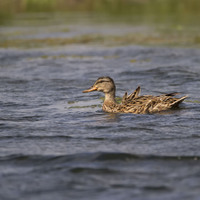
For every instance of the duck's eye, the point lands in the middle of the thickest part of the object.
(102, 81)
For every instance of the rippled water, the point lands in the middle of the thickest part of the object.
(57, 143)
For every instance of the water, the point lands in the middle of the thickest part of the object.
(57, 143)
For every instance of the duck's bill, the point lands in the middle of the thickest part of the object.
(90, 90)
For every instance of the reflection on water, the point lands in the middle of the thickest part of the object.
(112, 117)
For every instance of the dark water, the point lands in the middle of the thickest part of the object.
(56, 143)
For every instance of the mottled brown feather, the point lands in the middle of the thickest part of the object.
(134, 103)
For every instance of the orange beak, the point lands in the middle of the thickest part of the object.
(93, 88)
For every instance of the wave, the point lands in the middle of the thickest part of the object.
(93, 157)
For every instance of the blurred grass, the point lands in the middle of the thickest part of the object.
(174, 22)
(179, 11)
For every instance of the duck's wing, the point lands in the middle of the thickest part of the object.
(139, 105)
(134, 103)
(127, 98)
(152, 104)
(161, 103)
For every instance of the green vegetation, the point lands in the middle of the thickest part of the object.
(172, 22)
(141, 11)
(193, 101)
(78, 107)
(108, 40)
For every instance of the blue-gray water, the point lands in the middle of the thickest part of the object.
(57, 143)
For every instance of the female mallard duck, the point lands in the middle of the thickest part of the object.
(133, 103)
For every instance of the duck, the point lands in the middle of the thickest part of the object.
(133, 103)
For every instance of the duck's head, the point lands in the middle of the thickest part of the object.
(103, 84)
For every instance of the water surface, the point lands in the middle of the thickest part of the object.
(56, 142)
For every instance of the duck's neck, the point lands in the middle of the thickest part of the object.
(109, 104)
(110, 97)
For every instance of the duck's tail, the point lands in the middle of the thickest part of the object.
(177, 102)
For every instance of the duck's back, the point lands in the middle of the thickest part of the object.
(151, 104)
